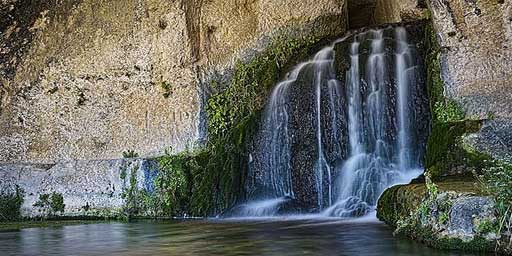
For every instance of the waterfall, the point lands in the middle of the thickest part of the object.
(340, 129)
(322, 63)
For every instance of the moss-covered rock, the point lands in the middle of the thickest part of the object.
(446, 152)
(399, 202)
(447, 215)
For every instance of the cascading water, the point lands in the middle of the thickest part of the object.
(373, 165)
(341, 129)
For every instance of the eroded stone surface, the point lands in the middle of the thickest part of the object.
(464, 211)
(476, 38)
(86, 79)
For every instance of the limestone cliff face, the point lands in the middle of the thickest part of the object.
(476, 39)
(89, 79)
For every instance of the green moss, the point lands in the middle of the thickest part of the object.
(487, 226)
(448, 111)
(167, 88)
(445, 149)
(477, 244)
(442, 108)
(400, 202)
(245, 94)
(444, 217)
(409, 208)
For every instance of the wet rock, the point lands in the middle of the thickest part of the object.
(459, 217)
(463, 213)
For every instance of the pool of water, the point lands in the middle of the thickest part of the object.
(215, 237)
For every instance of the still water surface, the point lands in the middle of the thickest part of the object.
(215, 237)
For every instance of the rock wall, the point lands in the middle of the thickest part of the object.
(364, 13)
(476, 59)
(391, 11)
(89, 79)
(96, 192)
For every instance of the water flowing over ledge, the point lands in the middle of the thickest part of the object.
(340, 129)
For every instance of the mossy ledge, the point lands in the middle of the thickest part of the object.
(446, 153)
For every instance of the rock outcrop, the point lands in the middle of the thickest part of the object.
(470, 86)
(455, 215)
(83, 81)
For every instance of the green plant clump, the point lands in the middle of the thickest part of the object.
(130, 154)
(11, 200)
(51, 203)
(168, 89)
(497, 181)
(177, 187)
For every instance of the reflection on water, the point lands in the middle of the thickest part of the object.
(214, 237)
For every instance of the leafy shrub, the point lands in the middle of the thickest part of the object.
(175, 183)
(50, 203)
(57, 202)
(448, 111)
(11, 200)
